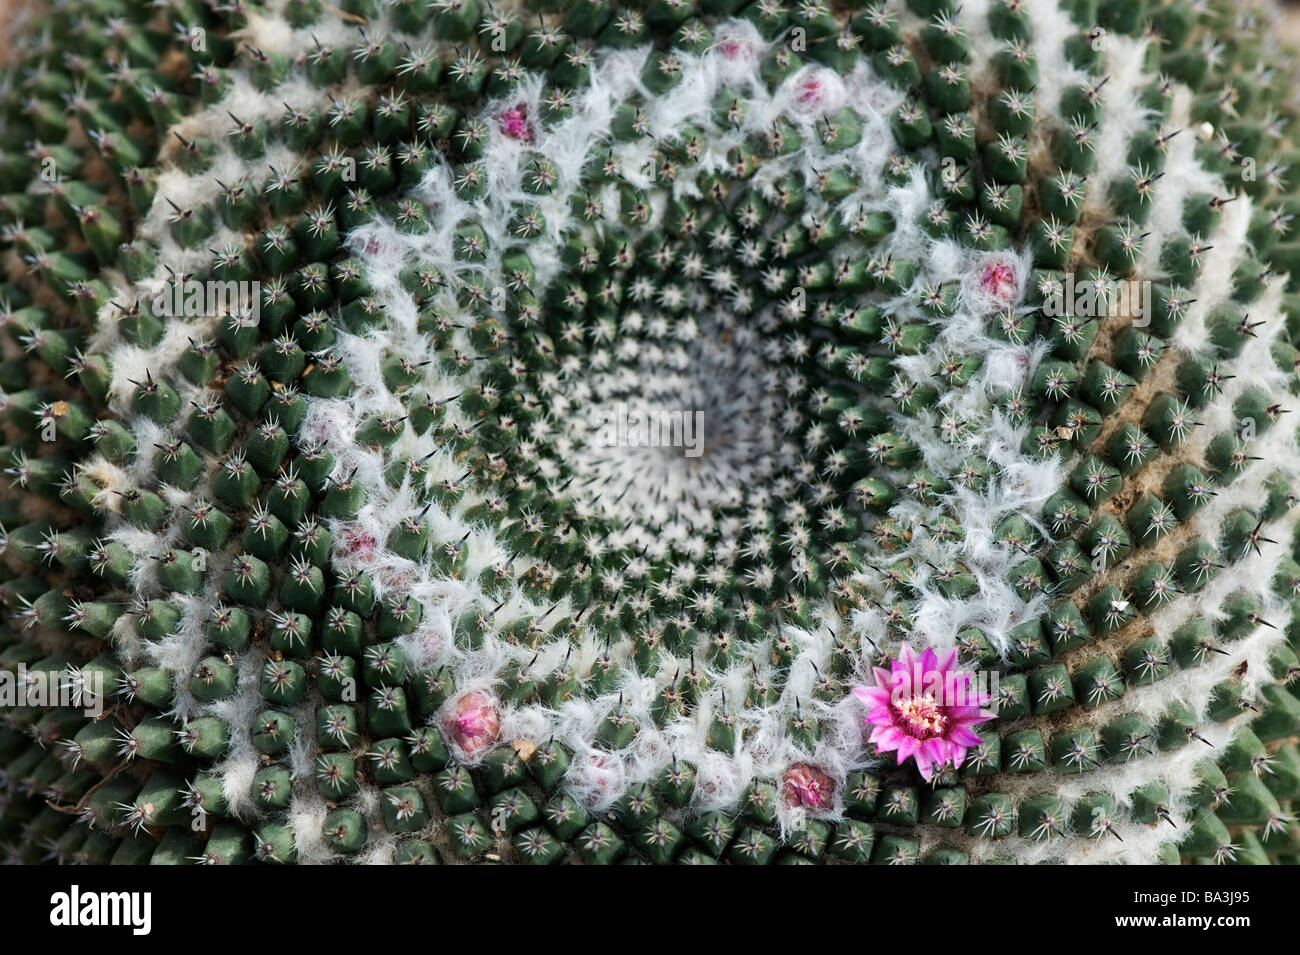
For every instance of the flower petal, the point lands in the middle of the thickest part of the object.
(872, 695)
(925, 765)
(936, 749)
(900, 681)
(888, 738)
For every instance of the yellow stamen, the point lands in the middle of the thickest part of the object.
(922, 715)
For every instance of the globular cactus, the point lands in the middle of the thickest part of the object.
(986, 312)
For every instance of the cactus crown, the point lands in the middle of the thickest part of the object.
(451, 431)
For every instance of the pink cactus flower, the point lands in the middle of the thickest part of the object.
(807, 786)
(514, 123)
(474, 724)
(924, 708)
(998, 281)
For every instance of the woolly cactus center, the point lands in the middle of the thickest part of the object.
(683, 430)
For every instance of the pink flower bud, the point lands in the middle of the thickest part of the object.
(732, 47)
(811, 92)
(474, 724)
(357, 543)
(998, 281)
(514, 124)
(807, 786)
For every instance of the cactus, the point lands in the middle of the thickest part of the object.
(970, 326)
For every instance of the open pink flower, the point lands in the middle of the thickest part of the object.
(474, 723)
(807, 786)
(924, 708)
